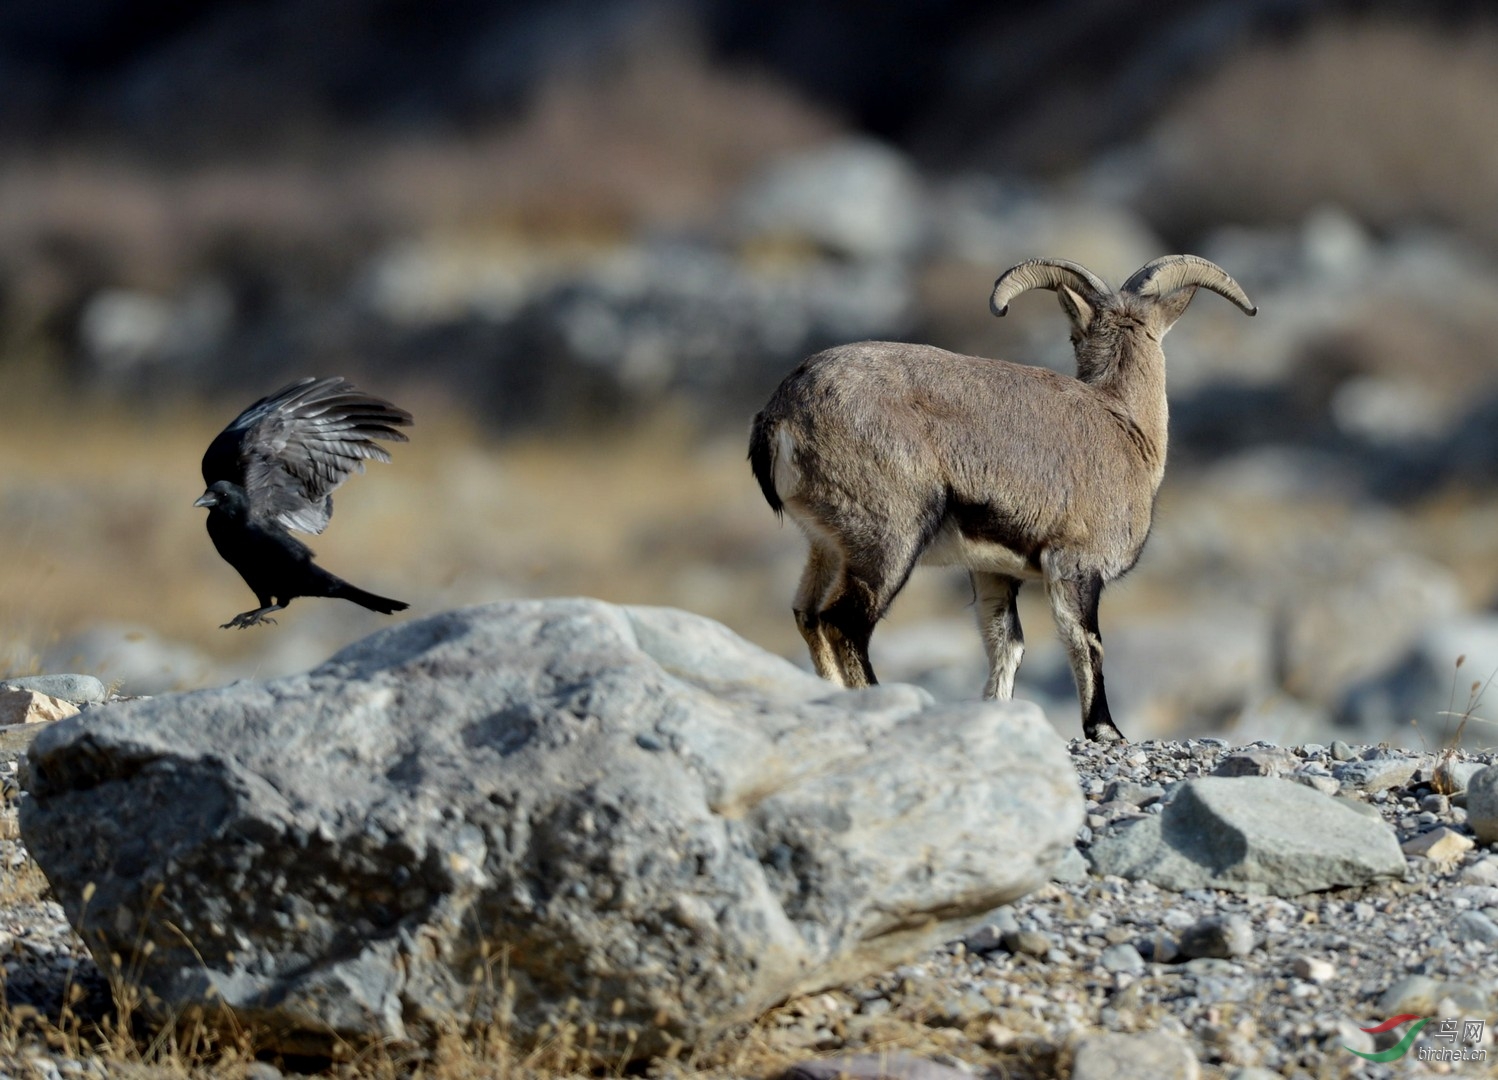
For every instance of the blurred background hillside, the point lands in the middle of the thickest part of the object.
(582, 241)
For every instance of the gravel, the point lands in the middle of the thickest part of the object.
(1292, 979)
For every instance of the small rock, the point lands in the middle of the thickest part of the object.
(1482, 804)
(1154, 1056)
(1127, 791)
(1482, 872)
(1028, 943)
(78, 689)
(1377, 774)
(1435, 803)
(1122, 959)
(1218, 936)
(1322, 782)
(1474, 926)
(990, 936)
(1478, 896)
(32, 707)
(1257, 763)
(1313, 969)
(1342, 752)
(985, 939)
(1440, 845)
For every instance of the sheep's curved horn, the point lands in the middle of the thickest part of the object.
(1168, 273)
(1044, 274)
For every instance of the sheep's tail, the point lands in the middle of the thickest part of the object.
(772, 457)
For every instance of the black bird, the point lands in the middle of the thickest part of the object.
(273, 469)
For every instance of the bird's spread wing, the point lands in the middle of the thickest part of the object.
(291, 449)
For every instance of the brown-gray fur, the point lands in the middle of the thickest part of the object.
(888, 454)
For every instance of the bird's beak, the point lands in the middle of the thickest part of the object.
(208, 498)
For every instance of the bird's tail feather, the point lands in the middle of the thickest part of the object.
(382, 604)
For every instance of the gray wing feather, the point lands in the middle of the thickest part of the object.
(301, 443)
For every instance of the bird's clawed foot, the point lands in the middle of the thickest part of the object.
(247, 619)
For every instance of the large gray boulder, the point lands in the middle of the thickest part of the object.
(536, 813)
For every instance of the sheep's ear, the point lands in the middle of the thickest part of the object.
(1172, 306)
(1078, 310)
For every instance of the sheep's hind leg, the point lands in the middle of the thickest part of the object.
(1074, 603)
(998, 622)
(859, 599)
(822, 566)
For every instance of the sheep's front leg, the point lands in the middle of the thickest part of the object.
(998, 622)
(1074, 603)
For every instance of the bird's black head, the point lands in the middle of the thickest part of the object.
(224, 497)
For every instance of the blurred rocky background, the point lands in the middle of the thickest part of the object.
(582, 241)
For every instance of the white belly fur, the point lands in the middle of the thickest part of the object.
(951, 548)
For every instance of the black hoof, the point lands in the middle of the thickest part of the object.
(1107, 734)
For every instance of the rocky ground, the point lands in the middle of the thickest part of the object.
(1245, 982)
(1211, 982)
